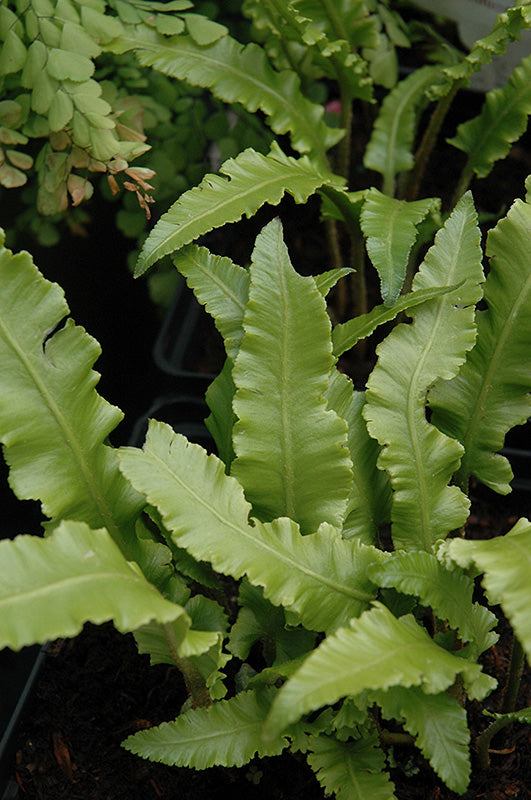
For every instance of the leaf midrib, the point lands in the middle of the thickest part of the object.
(279, 100)
(68, 434)
(257, 189)
(250, 535)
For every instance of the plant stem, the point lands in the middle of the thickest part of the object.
(516, 667)
(484, 739)
(387, 737)
(333, 15)
(463, 183)
(194, 681)
(428, 142)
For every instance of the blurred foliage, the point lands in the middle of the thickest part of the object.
(73, 117)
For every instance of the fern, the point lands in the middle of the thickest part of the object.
(488, 137)
(290, 451)
(369, 500)
(306, 574)
(227, 733)
(347, 334)
(389, 149)
(506, 564)
(242, 74)
(246, 183)
(491, 391)
(448, 593)
(376, 651)
(390, 226)
(440, 728)
(508, 27)
(354, 769)
(44, 585)
(52, 421)
(221, 286)
(425, 508)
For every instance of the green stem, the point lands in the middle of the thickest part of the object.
(514, 677)
(194, 681)
(463, 184)
(333, 15)
(428, 142)
(484, 739)
(358, 278)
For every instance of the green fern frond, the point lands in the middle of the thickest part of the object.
(503, 119)
(390, 226)
(506, 564)
(389, 151)
(439, 725)
(419, 459)
(376, 651)
(290, 448)
(447, 592)
(369, 500)
(241, 74)
(53, 423)
(227, 733)
(244, 185)
(50, 587)
(347, 334)
(354, 770)
(490, 394)
(321, 577)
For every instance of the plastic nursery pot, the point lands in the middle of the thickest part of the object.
(190, 350)
(18, 674)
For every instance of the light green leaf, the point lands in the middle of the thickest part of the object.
(204, 31)
(507, 28)
(61, 111)
(221, 287)
(34, 64)
(63, 64)
(44, 90)
(506, 564)
(447, 592)
(390, 226)
(491, 392)
(227, 733)
(52, 421)
(290, 449)
(12, 54)
(419, 459)
(439, 724)
(377, 651)
(524, 715)
(347, 334)
(103, 27)
(355, 770)
(76, 40)
(321, 577)
(503, 119)
(242, 74)
(327, 280)
(50, 587)
(389, 151)
(245, 184)
(369, 500)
